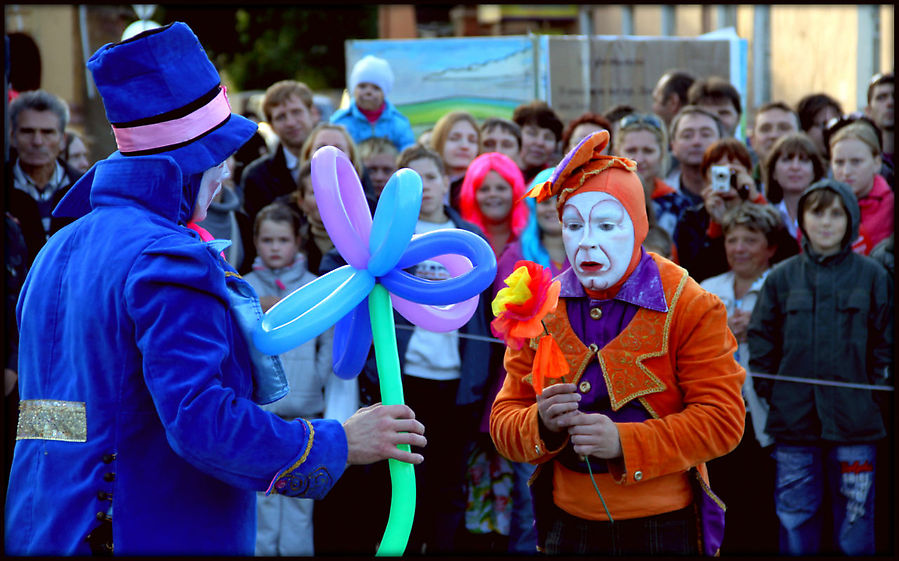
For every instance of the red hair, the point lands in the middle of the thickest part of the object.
(474, 177)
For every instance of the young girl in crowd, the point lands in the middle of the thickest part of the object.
(643, 139)
(793, 164)
(824, 314)
(855, 160)
(499, 502)
(457, 139)
(284, 524)
(490, 197)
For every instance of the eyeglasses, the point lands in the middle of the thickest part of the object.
(838, 123)
(640, 119)
(875, 80)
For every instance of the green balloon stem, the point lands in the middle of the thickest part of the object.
(402, 474)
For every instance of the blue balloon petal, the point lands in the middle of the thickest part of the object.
(311, 309)
(444, 292)
(352, 341)
(394, 222)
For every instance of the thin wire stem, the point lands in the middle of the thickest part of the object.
(590, 469)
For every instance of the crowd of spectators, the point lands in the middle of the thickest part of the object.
(729, 232)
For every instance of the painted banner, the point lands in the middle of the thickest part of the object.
(490, 76)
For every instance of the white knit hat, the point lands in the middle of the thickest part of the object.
(373, 70)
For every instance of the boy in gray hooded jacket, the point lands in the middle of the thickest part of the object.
(824, 314)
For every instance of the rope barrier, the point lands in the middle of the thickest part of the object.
(797, 379)
(873, 387)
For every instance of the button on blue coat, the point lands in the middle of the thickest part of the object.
(125, 311)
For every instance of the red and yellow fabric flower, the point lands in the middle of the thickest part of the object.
(519, 308)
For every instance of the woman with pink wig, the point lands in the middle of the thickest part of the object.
(491, 197)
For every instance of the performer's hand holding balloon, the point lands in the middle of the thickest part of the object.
(374, 433)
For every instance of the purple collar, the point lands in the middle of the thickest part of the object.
(643, 288)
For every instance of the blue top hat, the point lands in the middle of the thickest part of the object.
(163, 96)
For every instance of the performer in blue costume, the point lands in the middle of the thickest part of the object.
(139, 430)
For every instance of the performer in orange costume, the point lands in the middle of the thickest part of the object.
(651, 388)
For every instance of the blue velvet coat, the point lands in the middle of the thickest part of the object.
(124, 320)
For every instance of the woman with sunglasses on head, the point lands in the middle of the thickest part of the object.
(643, 138)
(837, 123)
(855, 160)
(793, 164)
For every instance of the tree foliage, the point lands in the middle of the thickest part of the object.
(258, 46)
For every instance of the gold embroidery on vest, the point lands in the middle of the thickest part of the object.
(621, 353)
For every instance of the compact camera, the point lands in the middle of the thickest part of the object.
(723, 178)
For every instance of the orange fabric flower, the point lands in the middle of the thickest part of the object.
(529, 295)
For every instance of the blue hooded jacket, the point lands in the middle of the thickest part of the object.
(392, 125)
(136, 388)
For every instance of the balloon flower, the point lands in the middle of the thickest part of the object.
(520, 307)
(358, 296)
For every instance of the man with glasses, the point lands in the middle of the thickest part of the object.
(880, 110)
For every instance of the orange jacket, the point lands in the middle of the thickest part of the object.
(679, 364)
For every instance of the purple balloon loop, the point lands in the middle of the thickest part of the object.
(440, 318)
(441, 293)
(342, 205)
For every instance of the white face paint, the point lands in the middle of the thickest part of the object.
(599, 238)
(210, 185)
